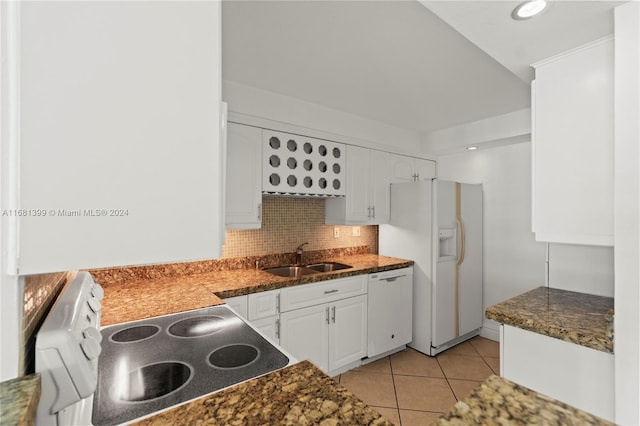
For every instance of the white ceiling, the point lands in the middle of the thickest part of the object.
(518, 44)
(396, 61)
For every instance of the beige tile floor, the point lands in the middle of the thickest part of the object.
(410, 388)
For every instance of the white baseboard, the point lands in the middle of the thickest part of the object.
(490, 329)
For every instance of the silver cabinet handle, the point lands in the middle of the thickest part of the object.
(333, 314)
(369, 212)
(278, 328)
(327, 311)
(392, 279)
(278, 303)
(373, 209)
(335, 290)
(260, 211)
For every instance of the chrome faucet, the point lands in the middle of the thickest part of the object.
(299, 254)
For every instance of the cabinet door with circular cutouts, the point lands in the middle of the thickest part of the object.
(299, 165)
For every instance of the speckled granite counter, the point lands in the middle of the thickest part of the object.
(296, 395)
(579, 318)
(499, 401)
(19, 400)
(144, 298)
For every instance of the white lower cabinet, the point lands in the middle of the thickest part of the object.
(305, 334)
(331, 335)
(262, 310)
(269, 326)
(238, 304)
(347, 332)
(264, 313)
(264, 304)
(574, 374)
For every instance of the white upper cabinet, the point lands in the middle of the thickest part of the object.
(244, 177)
(409, 169)
(572, 99)
(115, 127)
(366, 201)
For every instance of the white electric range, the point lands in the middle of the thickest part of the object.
(128, 371)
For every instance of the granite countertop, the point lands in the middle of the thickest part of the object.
(19, 400)
(296, 395)
(579, 318)
(498, 401)
(149, 297)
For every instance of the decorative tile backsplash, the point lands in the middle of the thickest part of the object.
(288, 222)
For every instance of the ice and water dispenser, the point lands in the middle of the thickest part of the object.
(447, 243)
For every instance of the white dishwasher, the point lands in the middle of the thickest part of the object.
(390, 310)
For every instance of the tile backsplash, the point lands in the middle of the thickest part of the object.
(288, 222)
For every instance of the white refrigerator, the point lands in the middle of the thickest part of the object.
(438, 225)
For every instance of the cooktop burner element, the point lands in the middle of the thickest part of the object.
(190, 354)
(136, 333)
(152, 381)
(233, 356)
(197, 326)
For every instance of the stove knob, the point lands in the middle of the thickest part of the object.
(91, 348)
(94, 304)
(93, 333)
(97, 291)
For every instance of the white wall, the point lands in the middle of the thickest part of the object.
(626, 216)
(586, 269)
(250, 105)
(513, 261)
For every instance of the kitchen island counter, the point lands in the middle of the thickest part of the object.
(298, 394)
(160, 290)
(583, 319)
(498, 401)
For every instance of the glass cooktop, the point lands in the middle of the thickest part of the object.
(149, 365)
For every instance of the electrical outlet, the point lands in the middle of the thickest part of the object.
(336, 232)
(355, 231)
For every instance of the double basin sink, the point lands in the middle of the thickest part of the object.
(299, 271)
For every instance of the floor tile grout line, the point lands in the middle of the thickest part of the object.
(488, 365)
(447, 379)
(443, 375)
(395, 392)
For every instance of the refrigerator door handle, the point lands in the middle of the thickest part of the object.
(463, 244)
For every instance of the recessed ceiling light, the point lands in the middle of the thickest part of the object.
(528, 9)
(472, 148)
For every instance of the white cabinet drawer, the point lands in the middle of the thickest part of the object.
(264, 304)
(326, 291)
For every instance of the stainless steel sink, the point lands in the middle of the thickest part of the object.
(328, 266)
(299, 271)
(291, 271)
